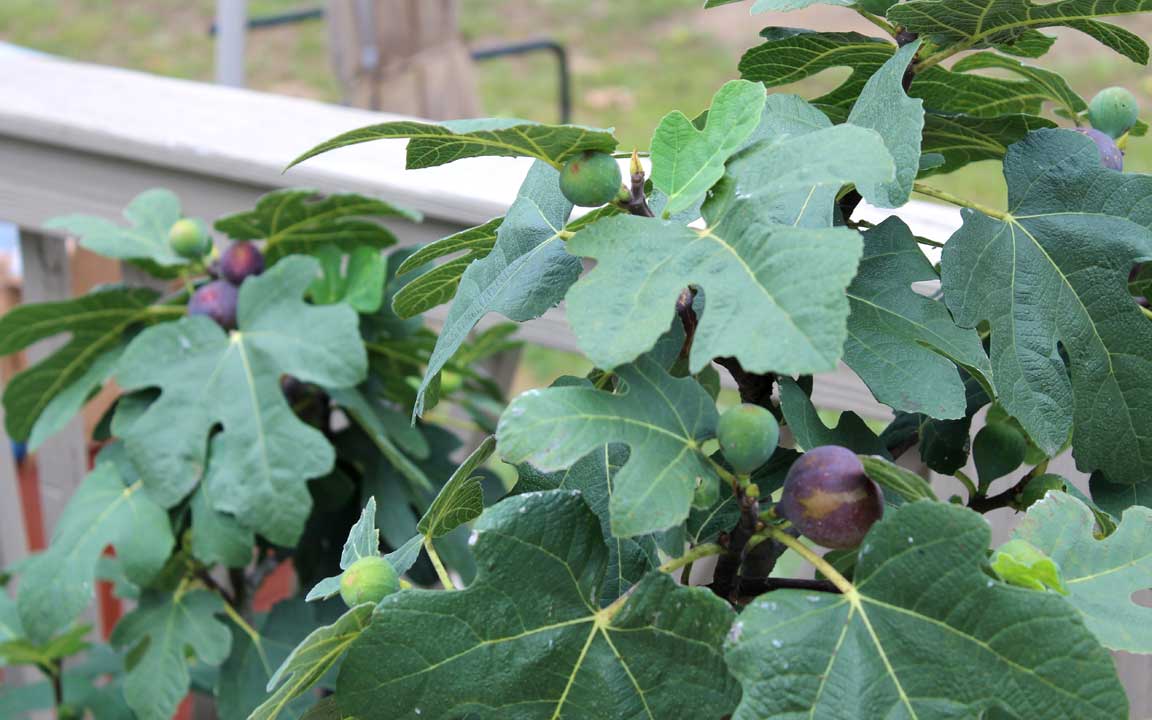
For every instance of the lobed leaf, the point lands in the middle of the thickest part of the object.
(686, 161)
(594, 475)
(1101, 575)
(59, 583)
(920, 602)
(150, 216)
(261, 460)
(533, 612)
(978, 23)
(903, 345)
(662, 419)
(526, 273)
(461, 500)
(1049, 274)
(162, 631)
(96, 323)
(310, 660)
(431, 144)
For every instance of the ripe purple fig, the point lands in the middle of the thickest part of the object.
(830, 499)
(241, 260)
(216, 300)
(1110, 154)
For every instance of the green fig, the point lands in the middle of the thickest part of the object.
(590, 179)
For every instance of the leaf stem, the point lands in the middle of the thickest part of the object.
(878, 21)
(248, 630)
(1146, 311)
(813, 559)
(166, 310)
(948, 197)
(696, 553)
(441, 571)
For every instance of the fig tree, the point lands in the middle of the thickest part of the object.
(748, 435)
(241, 260)
(216, 300)
(1114, 111)
(369, 579)
(830, 499)
(590, 179)
(1110, 154)
(188, 240)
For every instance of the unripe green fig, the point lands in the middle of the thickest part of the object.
(998, 449)
(188, 240)
(369, 579)
(1037, 488)
(829, 498)
(1114, 111)
(748, 435)
(590, 179)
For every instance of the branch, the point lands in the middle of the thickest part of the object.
(210, 582)
(754, 388)
(752, 589)
(726, 578)
(982, 503)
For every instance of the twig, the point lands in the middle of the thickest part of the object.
(982, 503)
(210, 582)
(754, 588)
(754, 388)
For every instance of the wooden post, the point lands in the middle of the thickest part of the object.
(403, 56)
(63, 459)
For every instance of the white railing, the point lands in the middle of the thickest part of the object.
(86, 138)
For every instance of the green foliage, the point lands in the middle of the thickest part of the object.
(162, 633)
(662, 419)
(526, 272)
(302, 221)
(1101, 574)
(686, 161)
(543, 561)
(150, 215)
(1075, 229)
(798, 652)
(903, 345)
(303, 442)
(436, 144)
(96, 323)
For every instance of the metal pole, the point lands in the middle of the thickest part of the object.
(231, 29)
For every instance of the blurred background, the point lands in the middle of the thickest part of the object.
(629, 62)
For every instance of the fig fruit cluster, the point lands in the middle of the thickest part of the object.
(218, 299)
(830, 499)
(1113, 113)
(590, 179)
(369, 579)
